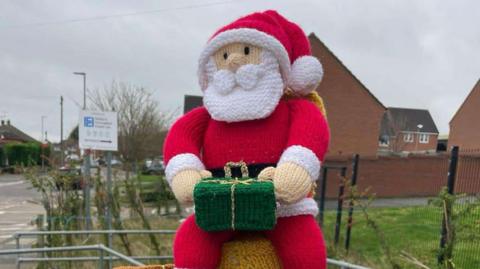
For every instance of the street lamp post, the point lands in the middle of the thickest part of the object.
(84, 75)
(62, 151)
(86, 160)
(42, 142)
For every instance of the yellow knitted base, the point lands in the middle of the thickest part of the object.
(167, 266)
(249, 252)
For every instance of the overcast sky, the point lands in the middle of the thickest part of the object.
(418, 53)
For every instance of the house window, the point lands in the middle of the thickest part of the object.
(423, 138)
(408, 137)
(384, 141)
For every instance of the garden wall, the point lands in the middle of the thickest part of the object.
(413, 176)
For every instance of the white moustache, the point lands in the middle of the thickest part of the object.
(246, 78)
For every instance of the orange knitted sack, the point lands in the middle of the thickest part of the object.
(313, 97)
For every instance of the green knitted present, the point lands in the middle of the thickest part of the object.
(234, 204)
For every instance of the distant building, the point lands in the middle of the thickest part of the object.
(191, 101)
(354, 113)
(465, 124)
(405, 130)
(442, 143)
(70, 146)
(9, 133)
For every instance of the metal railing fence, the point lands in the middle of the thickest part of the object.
(101, 259)
(19, 235)
(99, 247)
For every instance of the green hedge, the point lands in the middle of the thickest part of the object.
(25, 153)
(2, 157)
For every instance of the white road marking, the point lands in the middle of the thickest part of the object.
(11, 183)
(17, 225)
(7, 222)
(25, 212)
(7, 206)
(9, 229)
(12, 204)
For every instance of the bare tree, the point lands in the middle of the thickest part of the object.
(141, 124)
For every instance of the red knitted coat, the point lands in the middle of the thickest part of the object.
(294, 122)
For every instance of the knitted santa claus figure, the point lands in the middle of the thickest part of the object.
(245, 70)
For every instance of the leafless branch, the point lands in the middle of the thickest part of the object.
(141, 124)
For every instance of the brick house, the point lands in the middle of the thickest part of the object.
(354, 113)
(465, 124)
(405, 130)
(9, 133)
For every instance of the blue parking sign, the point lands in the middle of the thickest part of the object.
(88, 121)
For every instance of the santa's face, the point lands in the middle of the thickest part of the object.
(244, 83)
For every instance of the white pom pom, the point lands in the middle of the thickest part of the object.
(305, 74)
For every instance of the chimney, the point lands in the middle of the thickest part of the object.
(8, 122)
(3, 122)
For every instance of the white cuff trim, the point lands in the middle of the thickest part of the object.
(303, 157)
(181, 162)
(306, 206)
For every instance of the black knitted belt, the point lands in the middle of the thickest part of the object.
(253, 170)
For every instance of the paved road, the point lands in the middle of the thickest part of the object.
(18, 206)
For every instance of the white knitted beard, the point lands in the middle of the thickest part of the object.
(251, 93)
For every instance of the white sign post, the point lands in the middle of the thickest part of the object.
(98, 130)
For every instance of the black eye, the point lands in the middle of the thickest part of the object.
(225, 55)
(246, 50)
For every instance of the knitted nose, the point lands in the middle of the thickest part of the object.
(234, 61)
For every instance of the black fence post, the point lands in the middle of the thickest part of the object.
(451, 176)
(452, 170)
(350, 209)
(322, 194)
(341, 190)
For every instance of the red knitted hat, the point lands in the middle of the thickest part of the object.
(286, 40)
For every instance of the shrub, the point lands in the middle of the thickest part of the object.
(2, 157)
(25, 153)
